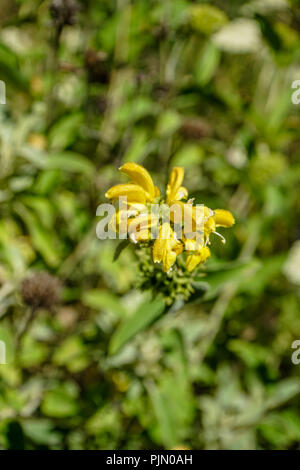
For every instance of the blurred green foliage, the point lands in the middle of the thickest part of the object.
(206, 85)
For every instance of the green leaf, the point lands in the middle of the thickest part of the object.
(42, 207)
(161, 410)
(47, 181)
(44, 240)
(268, 270)
(70, 161)
(122, 245)
(103, 299)
(206, 19)
(10, 70)
(217, 281)
(38, 158)
(33, 353)
(41, 431)
(137, 148)
(143, 317)
(172, 398)
(250, 277)
(64, 132)
(283, 392)
(251, 353)
(71, 353)
(207, 64)
(59, 404)
(65, 161)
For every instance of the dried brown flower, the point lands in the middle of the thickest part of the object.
(64, 12)
(41, 290)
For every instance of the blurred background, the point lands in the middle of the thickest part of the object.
(91, 361)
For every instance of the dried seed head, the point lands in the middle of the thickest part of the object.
(41, 290)
(194, 129)
(64, 12)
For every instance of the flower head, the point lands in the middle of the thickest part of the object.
(176, 224)
(41, 290)
(64, 12)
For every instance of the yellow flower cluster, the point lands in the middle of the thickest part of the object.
(137, 219)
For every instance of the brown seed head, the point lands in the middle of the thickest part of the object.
(41, 290)
(64, 12)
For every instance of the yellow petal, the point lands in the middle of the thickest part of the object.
(135, 206)
(207, 212)
(209, 226)
(175, 181)
(133, 192)
(223, 218)
(192, 244)
(176, 210)
(158, 250)
(141, 177)
(169, 259)
(166, 231)
(157, 191)
(177, 247)
(144, 220)
(189, 244)
(166, 247)
(181, 193)
(119, 221)
(197, 258)
(176, 177)
(192, 261)
(193, 219)
(161, 243)
(205, 253)
(142, 236)
(142, 223)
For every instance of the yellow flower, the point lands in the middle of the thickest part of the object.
(176, 192)
(119, 221)
(223, 218)
(132, 192)
(195, 217)
(166, 247)
(139, 228)
(188, 226)
(220, 218)
(197, 257)
(140, 190)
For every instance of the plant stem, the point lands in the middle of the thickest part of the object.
(25, 326)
